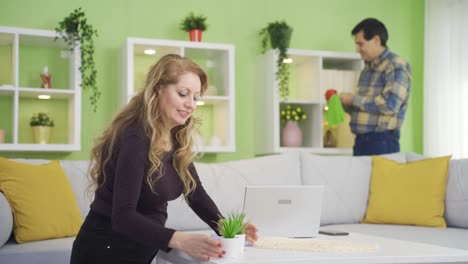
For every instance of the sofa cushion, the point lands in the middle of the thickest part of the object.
(346, 181)
(77, 172)
(225, 183)
(456, 197)
(412, 156)
(407, 194)
(446, 237)
(6, 220)
(49, 209)
(49, 251)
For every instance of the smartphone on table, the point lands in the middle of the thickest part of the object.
(333, 233)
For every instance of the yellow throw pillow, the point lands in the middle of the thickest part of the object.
(41, 199)
(407, 193)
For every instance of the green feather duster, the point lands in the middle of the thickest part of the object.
(335, 113)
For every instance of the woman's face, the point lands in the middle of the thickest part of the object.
(178, 101)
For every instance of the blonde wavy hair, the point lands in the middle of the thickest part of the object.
(143, 109)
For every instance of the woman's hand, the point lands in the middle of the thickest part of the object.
(198, 246)
(251, 233)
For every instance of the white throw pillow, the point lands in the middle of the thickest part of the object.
(77, 172)
(346, 181)
(225, 183)
(6, 220)
(411, 156)
(398, 157)
(456, 196)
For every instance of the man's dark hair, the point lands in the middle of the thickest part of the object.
(371, 27)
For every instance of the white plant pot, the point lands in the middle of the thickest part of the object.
(234, 247)
(242, 243)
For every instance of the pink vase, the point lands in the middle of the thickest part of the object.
(292, 135)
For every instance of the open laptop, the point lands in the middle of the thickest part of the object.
(286, 211)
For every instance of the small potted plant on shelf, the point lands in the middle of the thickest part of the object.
(75, 29)
(291, 134)
(41, 125)
(195, 25)
(232, 231)
(279, 33)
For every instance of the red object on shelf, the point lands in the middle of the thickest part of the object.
(195, 35)
(329, 93)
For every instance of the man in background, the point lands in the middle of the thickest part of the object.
(378, 109)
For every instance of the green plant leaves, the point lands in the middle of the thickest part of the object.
(292, 113)
(192, 21)
(41, 119)
(75, 29)
(232, 225)
(279, 33)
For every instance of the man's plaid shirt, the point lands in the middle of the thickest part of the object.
(382, 98)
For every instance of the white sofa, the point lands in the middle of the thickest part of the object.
(346, 180)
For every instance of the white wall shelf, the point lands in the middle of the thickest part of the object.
(23, 55)
(217, 133)
(312, 73)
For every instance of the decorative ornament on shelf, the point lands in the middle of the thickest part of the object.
(232, 230)
(41, 125)
(329, 138)
(212, 78)
(335, 113)
(195, 25)
(46, 77)
(75, 29)
(291, 133)
(279, 33)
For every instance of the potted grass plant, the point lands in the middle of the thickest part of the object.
(232, 230)
(195, 25)
(41, 125)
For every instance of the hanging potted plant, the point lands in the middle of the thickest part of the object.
(279, 33)
(41, 125)
(232, 230)
(74, 30)
(195, 25)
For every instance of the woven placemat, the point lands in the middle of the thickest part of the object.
(315, 245)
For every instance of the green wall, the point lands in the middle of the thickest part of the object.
(318, 25)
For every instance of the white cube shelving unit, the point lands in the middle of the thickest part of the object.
(23, 54)
(312, 73)
(217, 133)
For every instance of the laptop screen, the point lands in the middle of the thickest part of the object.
(286, 211)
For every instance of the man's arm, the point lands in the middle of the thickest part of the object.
(394, 94)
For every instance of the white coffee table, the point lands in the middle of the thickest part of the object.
(389, 251)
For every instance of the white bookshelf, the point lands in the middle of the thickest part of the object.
(218, 112)
(23, 54)
(312, 73)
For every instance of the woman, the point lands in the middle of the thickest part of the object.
(142, 160)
